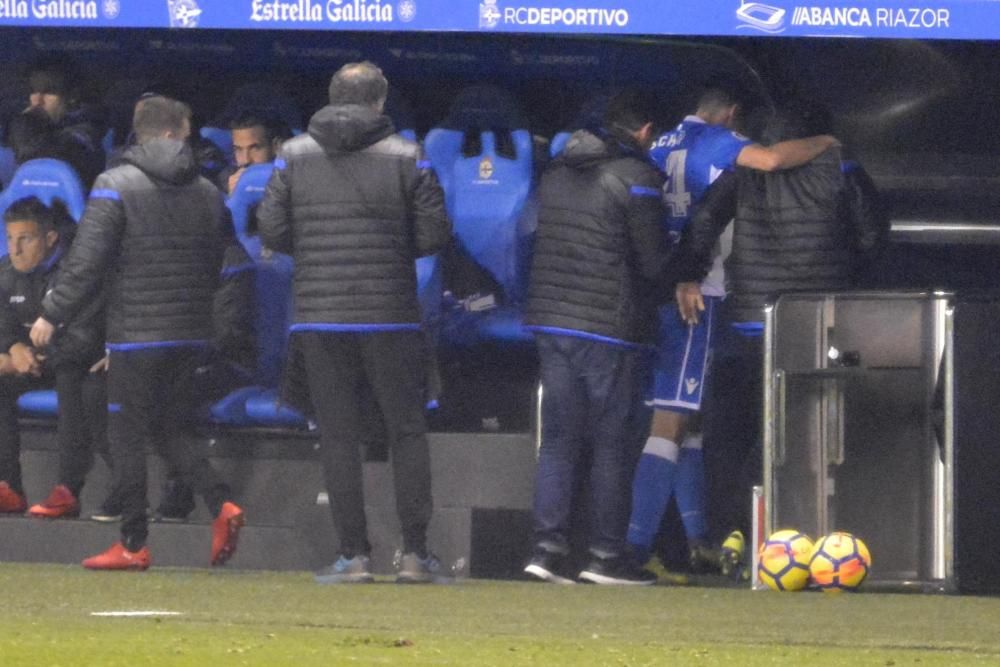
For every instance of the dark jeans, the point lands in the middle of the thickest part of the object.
(592, 398)
(150, 405)
(342, 369)
(81, 423)
(733, 413)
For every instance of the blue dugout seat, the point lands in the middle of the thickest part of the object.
(7, 166)
(47, 179)
(487, 194)
(221, 137)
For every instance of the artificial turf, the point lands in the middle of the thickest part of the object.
(258, 618)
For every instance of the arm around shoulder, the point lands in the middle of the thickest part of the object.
(785, 154)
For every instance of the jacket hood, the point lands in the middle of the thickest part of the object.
(167, 160)
(585, 149)
(349, 127)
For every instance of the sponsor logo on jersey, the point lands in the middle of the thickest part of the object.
(184, 13)
(491, 14)
(332, 11)
(18, 298)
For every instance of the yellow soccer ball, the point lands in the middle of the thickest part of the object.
(783, 562)
(840, 562)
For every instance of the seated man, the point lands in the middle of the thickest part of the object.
(57, 124)
(37, 237)
(256, 140)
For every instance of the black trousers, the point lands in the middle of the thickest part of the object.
(81, 422)
(733, 416)
(150, 404)
(341, 369)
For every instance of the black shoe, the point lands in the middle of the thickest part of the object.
(110, 510)
(177, 502)
(617, 571)
(546, 565)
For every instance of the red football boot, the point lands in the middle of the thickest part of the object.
(11, 502)
(225, 532)
(61, 503)
(119, 558)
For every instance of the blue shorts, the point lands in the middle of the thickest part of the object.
(682, 356)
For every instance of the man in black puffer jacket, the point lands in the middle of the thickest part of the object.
(156, 232)
(816, 228)
(598, 272)
(37, 239)
(355, 204)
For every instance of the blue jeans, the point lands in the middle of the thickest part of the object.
(592, 398)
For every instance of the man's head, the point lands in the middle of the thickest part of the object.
(31, 233)
(629, 118)
(721, 101)
(52, 85)
(256, 139)
(159, 117)
(359, 83)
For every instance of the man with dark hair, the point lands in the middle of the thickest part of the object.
(37, 239)
(56, 123)
(256, 140)
(157, 231)
(599, 268)
(691, 156)
(355, 204)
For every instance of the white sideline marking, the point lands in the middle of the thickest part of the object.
(136, 613)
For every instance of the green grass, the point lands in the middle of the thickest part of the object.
(249, 618)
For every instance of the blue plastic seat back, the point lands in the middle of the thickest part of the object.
(248, 193)
(558, 144)
(47, 179)
(485, 195)
(7, 166)
(221, 137)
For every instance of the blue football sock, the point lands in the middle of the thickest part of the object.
(651, 490)
(690, 488)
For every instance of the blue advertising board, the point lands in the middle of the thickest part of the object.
(894, 19)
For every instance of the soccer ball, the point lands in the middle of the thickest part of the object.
(840, 562)
(783, 563)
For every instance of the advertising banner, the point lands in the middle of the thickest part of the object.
(895, 19)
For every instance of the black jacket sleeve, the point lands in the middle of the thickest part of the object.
(10, 326)
(274, 215)
(432, 229)
(717, 208)
(861, 208)
(90, 258)
(233, 309)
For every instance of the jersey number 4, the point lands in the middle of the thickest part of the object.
(675, 194)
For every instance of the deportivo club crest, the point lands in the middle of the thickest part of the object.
(485, 169)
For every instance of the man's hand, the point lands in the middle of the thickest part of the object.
(24, 360)
(234, 179)
(101, 366)
(41, 332)
(7, 365)
(689, 301)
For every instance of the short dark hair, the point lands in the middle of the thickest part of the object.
(359, 83)
(33, 209)
(627, 112)
(274, 128)
(154, 116)
(55, 74)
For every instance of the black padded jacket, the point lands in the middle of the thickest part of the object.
(601, 254)
(354, 204)
(156, 231)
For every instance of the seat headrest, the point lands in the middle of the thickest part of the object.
(47, 179)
